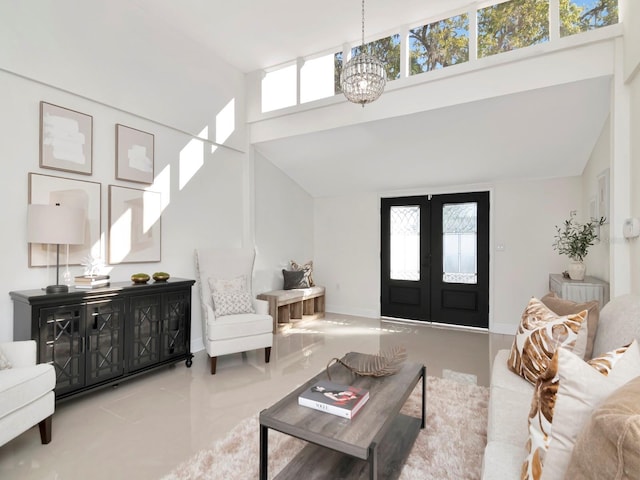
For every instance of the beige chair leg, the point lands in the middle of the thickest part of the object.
(213, 365)
(267, 354)
(45, 430)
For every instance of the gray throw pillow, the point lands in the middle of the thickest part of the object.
(295, 279)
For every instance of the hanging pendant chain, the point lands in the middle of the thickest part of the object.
(362, 26)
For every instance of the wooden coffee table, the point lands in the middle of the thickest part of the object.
(375, 444)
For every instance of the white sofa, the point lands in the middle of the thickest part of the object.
(26, 392)
(511, 395)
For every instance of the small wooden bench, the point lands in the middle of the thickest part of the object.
(298, 303)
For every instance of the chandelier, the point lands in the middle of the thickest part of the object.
(363, 77)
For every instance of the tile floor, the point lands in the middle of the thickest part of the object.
(145, 427)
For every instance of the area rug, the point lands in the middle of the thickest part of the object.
(450, 447)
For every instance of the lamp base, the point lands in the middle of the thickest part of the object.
(57, 289)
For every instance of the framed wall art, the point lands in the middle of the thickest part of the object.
(134, 155)
(66, 139)
(134, 225)
(47, 189)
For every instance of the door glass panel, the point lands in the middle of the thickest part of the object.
(405, 242)
(459, 244)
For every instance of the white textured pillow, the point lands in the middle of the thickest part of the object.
(581, 389)
(232, 302)
(4, 361)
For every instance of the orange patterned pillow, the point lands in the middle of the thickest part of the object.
(540, 333)
(543, 406)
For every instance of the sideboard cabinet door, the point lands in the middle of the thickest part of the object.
(176, 324)
(62, 344)
(144, 322)
(105, 340)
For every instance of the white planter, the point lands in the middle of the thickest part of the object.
(577, 270)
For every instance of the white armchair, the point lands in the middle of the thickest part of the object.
(26, 392)
(237, 332)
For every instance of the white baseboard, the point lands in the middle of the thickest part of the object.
(357, 312)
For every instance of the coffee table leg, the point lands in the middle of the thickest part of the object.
(264, 451)
(424, 395)
(373, 461)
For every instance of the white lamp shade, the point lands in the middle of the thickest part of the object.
(56, 224)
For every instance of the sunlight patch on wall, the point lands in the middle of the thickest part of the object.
(162, 184)
(121, 229)
(191, 159)
(226, 122)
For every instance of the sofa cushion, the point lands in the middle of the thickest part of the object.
(609, 445)
(582, 386)
(618, 324)
(21, 386)
(566, 307)
(502, 461)
(507, 415)
(4, 361)
(540, 333)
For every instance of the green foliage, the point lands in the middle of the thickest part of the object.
(503, 27)
(511, 25)
(573, 239)
(439, 44)
(576, 19)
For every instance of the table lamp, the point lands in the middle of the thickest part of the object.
(59, 225)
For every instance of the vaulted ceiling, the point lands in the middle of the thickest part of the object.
(519, 135)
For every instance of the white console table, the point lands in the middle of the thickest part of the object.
(580, 291)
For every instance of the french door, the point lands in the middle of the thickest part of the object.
(435, 258)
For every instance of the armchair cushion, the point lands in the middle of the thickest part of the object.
(238, 326)
(20, 386)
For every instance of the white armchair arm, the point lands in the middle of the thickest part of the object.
(261, 306)
(20, 354)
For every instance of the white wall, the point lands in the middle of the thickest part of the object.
(523, 215)
(597, 261)
(216, 185)
(283, 224)
(635, 180)
(347, 253)
(630, 10)
(141, 75)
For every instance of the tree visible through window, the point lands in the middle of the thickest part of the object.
(578, 16)
(511, 25)
(439, 44)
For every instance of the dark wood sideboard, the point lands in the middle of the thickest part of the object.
(99, 337)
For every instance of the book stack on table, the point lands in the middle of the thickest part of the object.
(91, 281)
(342, 400)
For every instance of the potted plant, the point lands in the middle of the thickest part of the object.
(573, 239)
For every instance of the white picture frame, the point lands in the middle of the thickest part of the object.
(134, 225)
(66, 139)
(134, 155)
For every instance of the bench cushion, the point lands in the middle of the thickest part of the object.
(294, 295)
